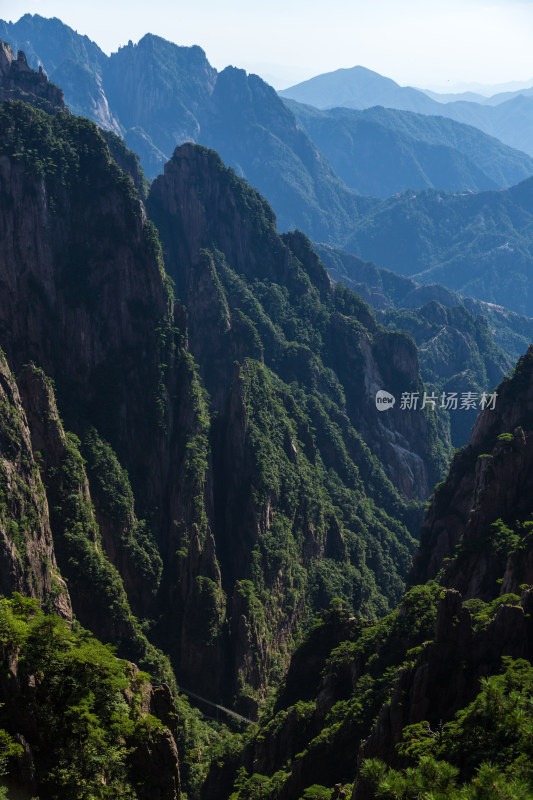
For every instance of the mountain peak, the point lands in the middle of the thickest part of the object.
(153, 40)
(360, 71)
(19, 82)
(358, 87)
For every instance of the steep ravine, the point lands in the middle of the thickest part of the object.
(421, 699)
(261, 500)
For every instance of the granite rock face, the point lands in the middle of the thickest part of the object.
(19, 82)
(488, 491)
(28, 562)
(446, 675)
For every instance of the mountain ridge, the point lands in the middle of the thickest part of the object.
(507, 121)
(476, 244)
(382, 152)
(158, 95)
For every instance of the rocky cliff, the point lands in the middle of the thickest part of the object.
(366, 708)
(204, 472)
(476, 531)
(75, 718)
(362, 356)
(28, 563)
(19, 82)
(384, 290)
(52, 551)
(218, 515)
(159, 95)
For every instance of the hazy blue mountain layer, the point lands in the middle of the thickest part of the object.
(464, 345)
(158, 95)
(480, 245)
(358, 87)
(380, 151)
(385, 290)
(509, 121)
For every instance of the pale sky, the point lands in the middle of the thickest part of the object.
(416, 42)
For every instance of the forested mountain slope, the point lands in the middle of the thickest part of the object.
(477, 244)
(159, 95)
(310, 165)
(194, 469)
(431, 700)
(384, 289)
(208, 464)
(383, 151)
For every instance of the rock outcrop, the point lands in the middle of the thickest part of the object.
(445, 676)
(19, 82)
(475, 533)
(235, 494)
(27, 559)
(152, 763)
(241, 227)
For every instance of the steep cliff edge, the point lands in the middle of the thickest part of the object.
(19, 82)
(75, 718)
(476, 534)
(231, 516)
(292, 366)
(434, 696)
(28, 563)
(199, 205)
(40, 469)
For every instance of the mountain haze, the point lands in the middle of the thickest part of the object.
(480, 245)
(384, 290)
(382, 151)
(311, 166)
(158, 95)
(359, 88)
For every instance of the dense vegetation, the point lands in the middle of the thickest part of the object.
(302, 506)
(484, 752)
(384, 290)
(212, 524)
(321, 734)
(220, 481)
(85, 705)
(341, 677)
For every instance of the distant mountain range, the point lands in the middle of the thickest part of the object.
(358, 87)
(480, 245)
(462, 343)
(310, 165)
(490, 100)
(385, 290)
(158, 95)
(508, 116)
(381, 151)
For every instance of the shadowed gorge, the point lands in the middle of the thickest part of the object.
(247, 504)
(424, 699)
